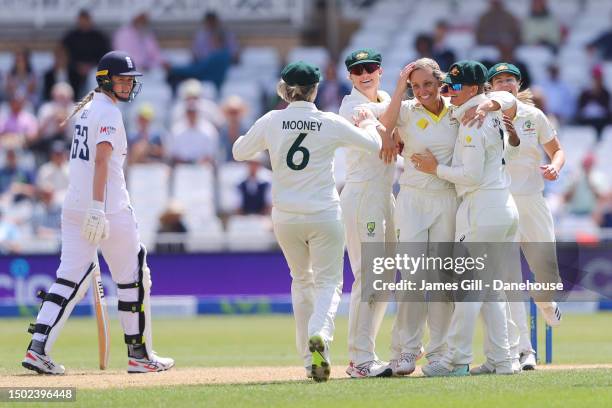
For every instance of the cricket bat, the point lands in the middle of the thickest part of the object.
(101, 318)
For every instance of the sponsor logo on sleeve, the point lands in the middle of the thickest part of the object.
(107, 130)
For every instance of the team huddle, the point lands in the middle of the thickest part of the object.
(472, 173)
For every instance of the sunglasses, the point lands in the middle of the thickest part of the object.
(455, 87)
(369, 67)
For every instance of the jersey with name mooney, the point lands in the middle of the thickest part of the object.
(98, 121)
(301, 141)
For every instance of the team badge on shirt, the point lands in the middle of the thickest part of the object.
(528, 126)
(468, 139)
(423, 123)
(371, 226)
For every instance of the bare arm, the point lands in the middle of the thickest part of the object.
(103, 154)
(557, 159)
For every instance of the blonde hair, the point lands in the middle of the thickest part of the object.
(80, 105)
(428, 63)
(293, 93)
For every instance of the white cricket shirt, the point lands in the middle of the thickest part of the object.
(98, 121)
(301, 141)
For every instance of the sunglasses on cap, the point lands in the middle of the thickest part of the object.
(455, 87)
(369, 67)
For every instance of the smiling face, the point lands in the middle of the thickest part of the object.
(460, 97)
(505, 82)
(122, 86)
(366, 82)
(425, 86)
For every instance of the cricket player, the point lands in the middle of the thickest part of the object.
(97, 213)
(306, 210)
(367, 208)
(427, 204)
(527, 183)
(487, 213)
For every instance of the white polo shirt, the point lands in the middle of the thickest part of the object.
(420, 129)
(301, 141)
(98, 121)
(362, 166)
(534, 129)
(479, 157)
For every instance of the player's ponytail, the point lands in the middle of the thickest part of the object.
(79, 106)
(295, 93)
(526, 96)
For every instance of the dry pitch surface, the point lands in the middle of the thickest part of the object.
(196, 376)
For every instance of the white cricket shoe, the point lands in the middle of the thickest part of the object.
(41, 363)
(486, 368)
(406, 364)
(437, 369)
(551, 313)
(528, 361)
(372, 368)
(320, 369)
(145, 365)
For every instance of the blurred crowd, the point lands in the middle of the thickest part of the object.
(202, 123)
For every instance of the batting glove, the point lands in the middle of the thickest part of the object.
(95, 225)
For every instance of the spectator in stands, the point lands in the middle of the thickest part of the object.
(21, 79)
(9, 236)
(331, 90)
(234, 109)
(506, 53)
(594, 104)
(54, 173)
(16, 183)
(255, 192)
(194, 140)
(18, 127)
(138, 40)
(586, 189)
(50, 118)
(541, 27)
(602, 215)
(171, 222)
(191, 91)
(85, 45)
(47, 214)
(424, 44)
(211, 68)
(561, 100)
(145, 144)
(497, 25)
(602, 45)
(443, 55)
(204, 40)
(60, 72)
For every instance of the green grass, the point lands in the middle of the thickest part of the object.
(269, 340)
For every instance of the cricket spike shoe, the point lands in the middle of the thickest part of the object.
(528, 361)
(41, 363)
(406, 364)
(437, 369)
(372, 368)
(320, 369)
(149, 365)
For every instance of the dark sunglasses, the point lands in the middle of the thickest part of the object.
(369, 67)
(455, 87)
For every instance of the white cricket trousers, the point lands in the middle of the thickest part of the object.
(315, 255)
(535, 226)
(367, 209)
(423, 216)
(120, 252)
(484, 216)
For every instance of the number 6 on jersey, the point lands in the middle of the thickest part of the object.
(295, 147)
